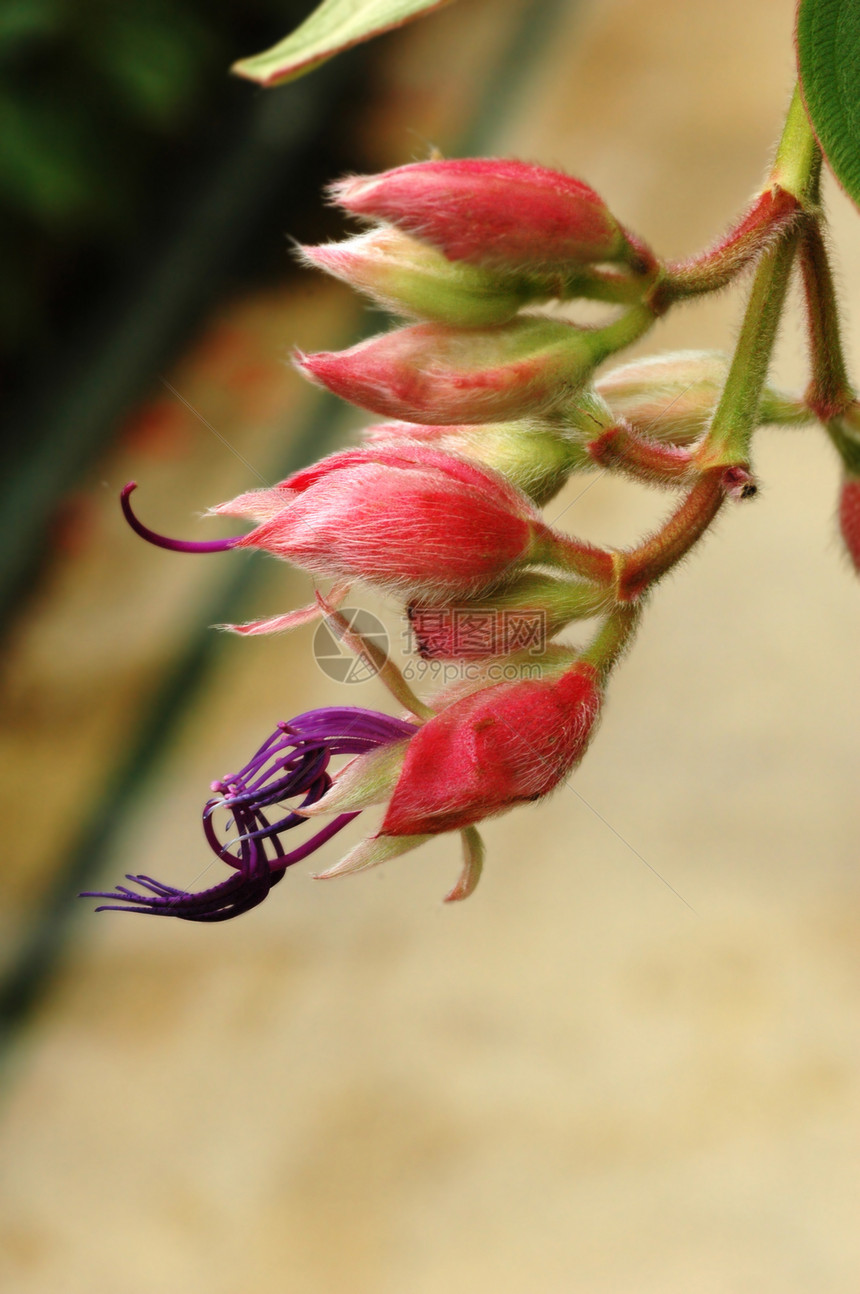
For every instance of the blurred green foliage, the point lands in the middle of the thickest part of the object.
(98, 99)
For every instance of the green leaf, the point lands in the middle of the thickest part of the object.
(335, 26)
(828, 58)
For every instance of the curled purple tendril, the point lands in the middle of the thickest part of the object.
(164, 541)
(291, 764)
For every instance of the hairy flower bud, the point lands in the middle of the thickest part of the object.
(672, 396)
(407, 517)
(537, 456)
(493, 749)
(489, 211)
(409, 278)
(428, 373)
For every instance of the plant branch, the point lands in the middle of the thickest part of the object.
(641, 567)
(829, 393)
(613, 638)
(795, 170)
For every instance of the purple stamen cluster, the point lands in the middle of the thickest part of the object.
(291, 765)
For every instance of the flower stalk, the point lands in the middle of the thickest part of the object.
(829, 392)
(795, 171)
(644, 565)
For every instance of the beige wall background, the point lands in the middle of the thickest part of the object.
(577, 1081)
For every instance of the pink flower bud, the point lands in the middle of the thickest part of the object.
(490, 211)
(493, 749)
(672, 396)
(849, 517)
(431, 374)
(409, 518)
(409, 278)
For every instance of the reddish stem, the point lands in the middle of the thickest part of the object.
(829, 393)
(623, 449)
(644, 565)
(771, 214)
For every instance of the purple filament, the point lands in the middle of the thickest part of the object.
(164, 541)
(292, 764)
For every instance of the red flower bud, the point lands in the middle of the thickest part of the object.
(409, 518)
(493, 749)
(432, 374)
(506, 214)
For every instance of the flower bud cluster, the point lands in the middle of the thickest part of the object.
(488, 409)
(463, 246)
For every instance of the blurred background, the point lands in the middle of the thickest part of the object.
(629, 1064)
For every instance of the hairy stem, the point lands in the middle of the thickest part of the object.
(829, 393)
(613, 638)
(650, 561)
(795, 170)
(771, 215)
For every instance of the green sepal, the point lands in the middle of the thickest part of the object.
(370, 853)
(410, 278)
(368, 779)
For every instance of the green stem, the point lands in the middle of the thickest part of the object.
(736, 416)
(573, 556)
(612, 638)
(798, 159)
(622, 332)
